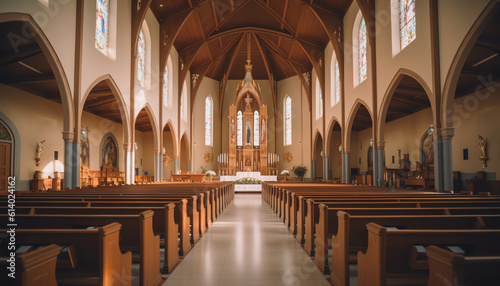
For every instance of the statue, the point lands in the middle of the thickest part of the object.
(482, 149)
(39, 151)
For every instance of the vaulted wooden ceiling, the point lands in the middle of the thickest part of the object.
(282, 34)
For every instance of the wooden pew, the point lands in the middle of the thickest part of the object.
(387, 259)
(136, 235)
(448, 268)
(37, 267)
(349, 234)
(100, 260)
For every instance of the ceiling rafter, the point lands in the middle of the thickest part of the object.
(284, 13)
(250, 29)
(216, 20)
(269, 71)
(30, 80)
(224, 20)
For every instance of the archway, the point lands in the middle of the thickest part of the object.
(318, 157)
(358, 143)
(406, 114)
(36, 84)
(169, 150)
(146, 147)
(471, 98)
(334, 145)
(184, 153)
(102, 114)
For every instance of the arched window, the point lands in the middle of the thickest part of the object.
(337, 82)
(362, 59)
(165, 86)
(183, 104)
(141, 59)
(288, 120)
(239, 128)
(102, 26)
(319, 100)
(407, 23)
(256, 133)
(208, 120)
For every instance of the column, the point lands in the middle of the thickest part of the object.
(76, 164)
(158, 168)
(188, 166)
(443, 162)
(129, 164)
(378, 164)
(69, 166)
(177, 165)
(313, 169)
(346, 169)
(326, 168)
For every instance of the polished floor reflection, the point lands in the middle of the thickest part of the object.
(247, 245)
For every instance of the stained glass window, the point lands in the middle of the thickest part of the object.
(319, 99)
(239, 128)
(102, 26)
(337, 82)
(208, 120)
(4, 133)
(141, 59)
(362, 51)
(182, 106)
(407, 23)
(256, 133)
(288, 120)
(165, 86)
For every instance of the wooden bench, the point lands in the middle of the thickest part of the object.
(449, 268)
(349, 234)
(387, 259)
(100, 260)
(37, 267)
(136, 236)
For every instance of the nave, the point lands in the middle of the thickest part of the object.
(247, 245)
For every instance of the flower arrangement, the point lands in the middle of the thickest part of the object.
(247, 181)
(299, 170)
(285, 172)
(210, 172)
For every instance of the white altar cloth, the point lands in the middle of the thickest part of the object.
(255, 175)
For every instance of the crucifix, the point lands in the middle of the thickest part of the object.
(248, 100)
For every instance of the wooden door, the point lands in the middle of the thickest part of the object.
(5, 156)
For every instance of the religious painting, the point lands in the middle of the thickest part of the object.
(370, 157)
(4, 133)
(109, 153)
(84, 149)
(428, 149)
(249, 130)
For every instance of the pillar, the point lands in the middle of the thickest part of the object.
(177, 165)
(76, 164)
(129, 164)
(326, 168)
(188, 166)
(69, 159)
(443, 162)
(313, 169)
(158, 168)
(346, 169)
(378, 164)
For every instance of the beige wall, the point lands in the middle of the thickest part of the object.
(301, 130)
(209, 87)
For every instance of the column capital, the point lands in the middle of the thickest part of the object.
(380, 145)
(68, 137)
(447, 133)
(127, 147)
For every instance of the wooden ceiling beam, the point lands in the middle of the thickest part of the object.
(216, 20)
(30, 80)
(250, 29)
(270, 75)
(91, 102)
(411, 101)
(277, 17)
(284, 13)
(22, 53)
(224, 20)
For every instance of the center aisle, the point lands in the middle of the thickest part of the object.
(247, 245)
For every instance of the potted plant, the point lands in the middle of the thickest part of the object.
(300, 171)
(209, 174)
(285, 173)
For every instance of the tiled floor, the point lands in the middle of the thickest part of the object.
(247, 245)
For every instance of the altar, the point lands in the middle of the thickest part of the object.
(254, 175)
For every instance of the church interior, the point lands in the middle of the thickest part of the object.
(332, 134)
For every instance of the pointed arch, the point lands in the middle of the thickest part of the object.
(453, 75)
(384, 107)
(317, 135)
(122, 106)
(329, 132)
(350, 121)
(185, 138)
(55, 65)
(154, 125)
(16, 158)
(175, 139)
